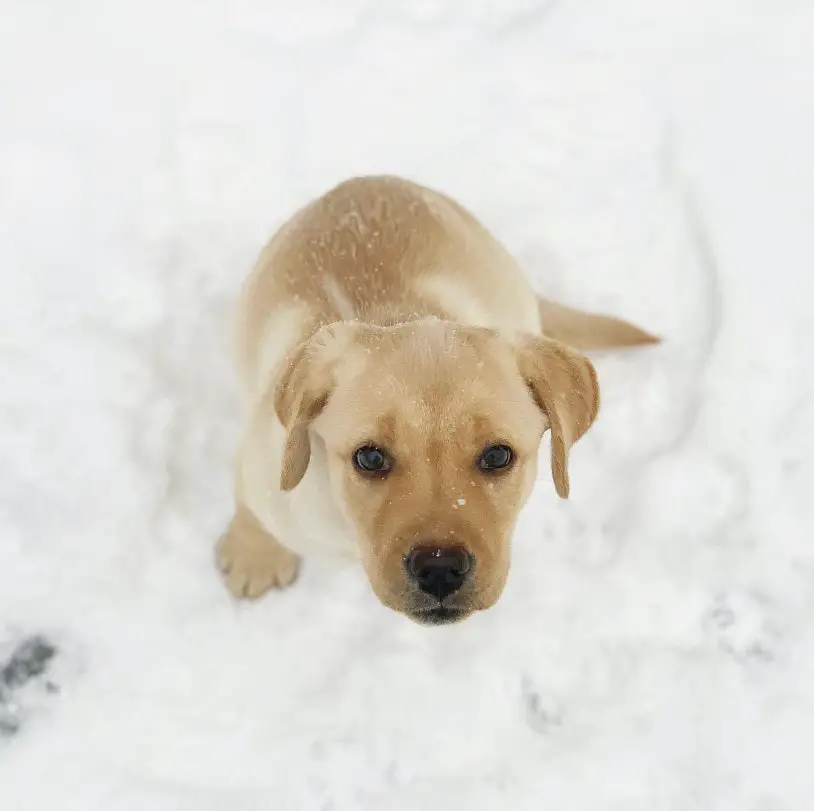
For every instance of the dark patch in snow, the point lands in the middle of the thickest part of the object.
(28, 661)
(742, 624)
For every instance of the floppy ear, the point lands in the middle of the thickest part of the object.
(301, 391)
(564, 385)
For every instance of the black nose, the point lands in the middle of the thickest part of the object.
(439, 571)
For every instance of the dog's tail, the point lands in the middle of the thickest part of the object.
(584, 330)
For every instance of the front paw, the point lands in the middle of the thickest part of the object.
(252, 561)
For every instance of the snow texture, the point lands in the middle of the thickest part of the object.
(654, 650)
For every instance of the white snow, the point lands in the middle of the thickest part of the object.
(654, 650)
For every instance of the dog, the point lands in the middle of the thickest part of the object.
(399, 373)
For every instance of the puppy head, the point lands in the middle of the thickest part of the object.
(432, 432)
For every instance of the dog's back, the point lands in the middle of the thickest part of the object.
(380, 250)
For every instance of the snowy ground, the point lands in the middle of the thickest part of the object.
(654, 650)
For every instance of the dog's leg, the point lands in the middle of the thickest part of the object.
(584, 330)
(253, 561)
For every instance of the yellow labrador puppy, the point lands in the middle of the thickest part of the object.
(400, 373)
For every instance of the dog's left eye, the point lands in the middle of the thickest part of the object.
(496, 457)
(371, 459)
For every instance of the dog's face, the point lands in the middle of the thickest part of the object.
(432, 432)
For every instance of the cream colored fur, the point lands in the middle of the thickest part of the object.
(384, 311)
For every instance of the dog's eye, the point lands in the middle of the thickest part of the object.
(495, 457)
(371, 459)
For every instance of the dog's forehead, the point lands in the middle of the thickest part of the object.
(420, 428)
(393, 405)
(435, 353)
(437, 388)
(433, 379)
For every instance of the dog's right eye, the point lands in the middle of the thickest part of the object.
(370, 459)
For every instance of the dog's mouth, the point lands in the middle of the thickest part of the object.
(440, 615)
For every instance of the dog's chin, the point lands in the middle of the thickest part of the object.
(441, 615)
